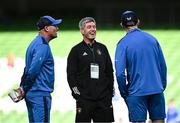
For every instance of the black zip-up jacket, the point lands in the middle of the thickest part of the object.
(78, 72)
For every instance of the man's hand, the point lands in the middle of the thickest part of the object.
(17, 94)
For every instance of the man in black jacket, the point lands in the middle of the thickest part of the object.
(90, 76)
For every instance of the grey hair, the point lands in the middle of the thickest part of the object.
(85, 20)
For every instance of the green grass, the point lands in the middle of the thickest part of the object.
(22, 117)
(13, 117)
(17, 42)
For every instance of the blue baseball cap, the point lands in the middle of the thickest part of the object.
(129, 18)
(47, 21)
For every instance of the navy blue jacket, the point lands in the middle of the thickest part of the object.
(39, 70)
(140, 55)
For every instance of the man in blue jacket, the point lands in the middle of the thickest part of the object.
(38, 78)
(140, 72)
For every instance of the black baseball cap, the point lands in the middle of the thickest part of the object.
(47, 21)
(129, 18)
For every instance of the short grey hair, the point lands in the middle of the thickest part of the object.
(85, 20)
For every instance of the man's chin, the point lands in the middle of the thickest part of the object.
(92, 37)
(54, 36)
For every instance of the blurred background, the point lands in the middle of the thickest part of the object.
(18, 27)
(153, 13)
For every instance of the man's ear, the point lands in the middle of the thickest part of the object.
(138, 22)
(121, 25)
(46, 28)
(82, 31)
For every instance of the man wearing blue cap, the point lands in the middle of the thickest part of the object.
(140, 72)
(37, 81)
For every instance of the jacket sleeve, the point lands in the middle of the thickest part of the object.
(72, 64)
(109, 72)
(30, 74)
(120, 66)
(163, 68)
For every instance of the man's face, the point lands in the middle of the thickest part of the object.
(89, 30)
(52, 31)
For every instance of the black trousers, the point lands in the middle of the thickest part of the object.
(97, 111)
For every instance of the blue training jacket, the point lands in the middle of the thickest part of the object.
(140, 55)
(39, 71)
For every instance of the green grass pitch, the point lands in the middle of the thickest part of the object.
(17, 42)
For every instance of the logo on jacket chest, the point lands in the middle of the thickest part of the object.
(84, 54)
(98, 51)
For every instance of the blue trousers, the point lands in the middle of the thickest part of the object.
(38, 109)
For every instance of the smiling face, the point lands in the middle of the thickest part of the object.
(89, 31)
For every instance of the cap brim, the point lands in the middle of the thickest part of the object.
(56, 22)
